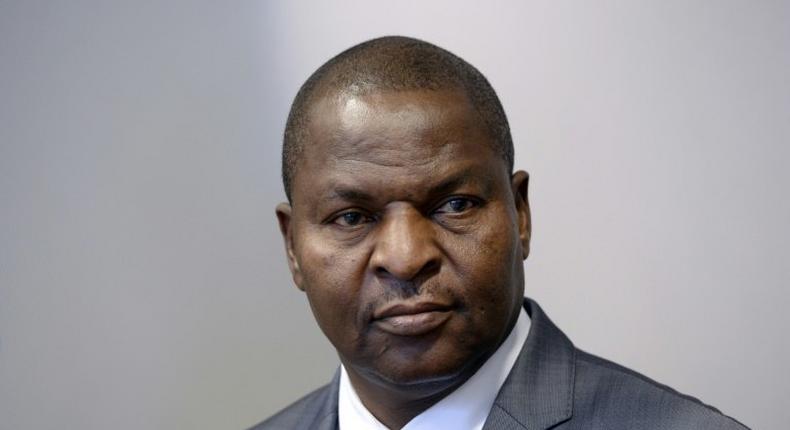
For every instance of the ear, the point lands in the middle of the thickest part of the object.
(520, 184)
(284, 218)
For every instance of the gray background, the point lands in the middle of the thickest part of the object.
(142, 279)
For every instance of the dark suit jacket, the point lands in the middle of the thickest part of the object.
(553, 385)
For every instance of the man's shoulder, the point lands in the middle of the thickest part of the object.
(308, 412)
(608, 392)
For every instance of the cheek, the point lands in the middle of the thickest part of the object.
(332, 286)
(491, 267)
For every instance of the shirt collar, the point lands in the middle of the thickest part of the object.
(467, 407)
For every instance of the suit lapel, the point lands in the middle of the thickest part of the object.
(325, 405)
(538, 393)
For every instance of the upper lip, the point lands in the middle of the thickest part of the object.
(405, 308)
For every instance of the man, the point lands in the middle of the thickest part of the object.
(407, 229)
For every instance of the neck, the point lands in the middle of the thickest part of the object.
(395, 406)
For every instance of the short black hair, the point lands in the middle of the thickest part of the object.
(394, 63)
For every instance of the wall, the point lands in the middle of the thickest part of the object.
(142, 278)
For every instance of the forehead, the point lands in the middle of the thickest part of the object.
(348, 122)
(404, 137)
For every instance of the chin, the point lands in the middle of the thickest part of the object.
(423, 378)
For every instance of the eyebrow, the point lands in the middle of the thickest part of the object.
(447, 186)
(456, 181)
(341, 193)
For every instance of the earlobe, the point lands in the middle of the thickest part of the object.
(520, 184)
(284, 219)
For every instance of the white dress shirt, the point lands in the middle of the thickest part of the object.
(465, 408)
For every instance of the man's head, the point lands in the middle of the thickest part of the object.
(405, 228)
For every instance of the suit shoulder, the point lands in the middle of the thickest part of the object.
(616, 393)
(300, 413)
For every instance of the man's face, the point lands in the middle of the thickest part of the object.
(407, 234)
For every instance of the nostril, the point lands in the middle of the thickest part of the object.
(408, 273)
(430, 267)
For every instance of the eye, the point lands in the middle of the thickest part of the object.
(456, 205)
(351, 219)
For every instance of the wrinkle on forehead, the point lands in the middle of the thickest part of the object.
(382, 154)
(394, 129)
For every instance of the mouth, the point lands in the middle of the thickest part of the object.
(411, 319)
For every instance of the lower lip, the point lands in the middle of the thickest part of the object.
(413, 324)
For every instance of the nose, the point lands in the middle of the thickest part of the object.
(405, 246)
